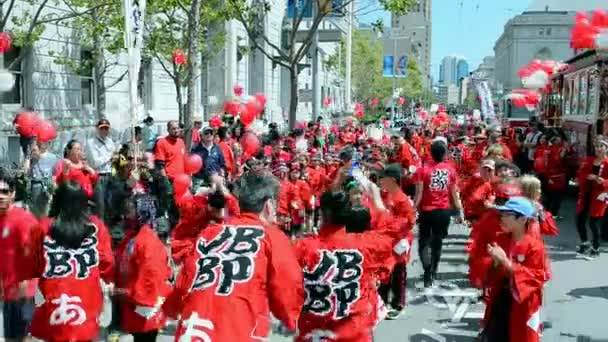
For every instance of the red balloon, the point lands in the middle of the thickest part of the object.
(26, 123)
(181, 184)
(193, 164)
(261, 98)
(250, 143)
(46, 131)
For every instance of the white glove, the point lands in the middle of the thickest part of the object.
(402, 247)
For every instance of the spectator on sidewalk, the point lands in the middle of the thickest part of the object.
(99, 152)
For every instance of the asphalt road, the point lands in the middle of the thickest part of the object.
(575, 303)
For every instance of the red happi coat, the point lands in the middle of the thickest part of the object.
(84, 178)
(70, 300)
(239, 273)
(484, 232)
(541, 159)
(591, 190)
(475, 199)
(339, 278)
(556, 170)
(194, 217)
(525, 283)
(143, 273)
(403, 212)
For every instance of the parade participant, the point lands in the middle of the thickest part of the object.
(436, 193)
(516, 278)
(70, 255)
(74, 168)
(170, 152)
(245, 267)
(301, 194)
(339, 275)
(531, 188)
(494, 138)
(557, 180)
(592, 198)
(479, 193)
(402, 209)
(226, 148)
(17, 296)
(43, 164)
(99, 152)
(142, 272)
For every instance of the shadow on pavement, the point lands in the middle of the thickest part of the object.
(594, 292)
(465, 324)
(443, 338)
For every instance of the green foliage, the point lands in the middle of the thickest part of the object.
(367, 78)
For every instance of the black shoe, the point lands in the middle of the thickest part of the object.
(583, 249)
(394, 314)
(428, 281)
(593, 254)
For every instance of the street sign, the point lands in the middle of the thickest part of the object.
(389, 69)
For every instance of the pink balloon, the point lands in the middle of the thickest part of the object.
(181, 184)
(193, 164)
(46, 131)
(250, 143)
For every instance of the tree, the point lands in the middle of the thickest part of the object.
(100, 31)
(167, 38)
(289, 54)
(367, 79)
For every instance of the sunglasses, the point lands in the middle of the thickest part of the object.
(207, 132)
(5, 191)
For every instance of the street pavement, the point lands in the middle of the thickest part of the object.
(575, 303)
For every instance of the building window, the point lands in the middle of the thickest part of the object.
(15, 95)
(306, 86)
(87, 79)
(541, 32)
(548, 31)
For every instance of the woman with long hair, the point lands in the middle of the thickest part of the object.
(143, 271)
(73, 167)
(71, 255)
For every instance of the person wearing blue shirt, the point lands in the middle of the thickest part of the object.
(212, 157)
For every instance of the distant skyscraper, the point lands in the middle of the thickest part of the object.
(462, 70)
(416, 25)
(452, 69)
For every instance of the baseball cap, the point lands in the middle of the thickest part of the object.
(490, 164)
(103, 123)
(518, 205)
(207, 129)
(392, 171)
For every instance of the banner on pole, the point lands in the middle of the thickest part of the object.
(388, 67)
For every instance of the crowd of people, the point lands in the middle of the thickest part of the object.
(312, 227)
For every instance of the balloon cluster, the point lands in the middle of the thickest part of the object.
(590, 33)
(524, 98)
(215, 121)
(238, 90)
(537, 74)
(30, 125)
(179, 57)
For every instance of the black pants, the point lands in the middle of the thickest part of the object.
(594, 225)
(397, 285)
(149, 336)
(553, 201)
(433, 228)
(17, 316)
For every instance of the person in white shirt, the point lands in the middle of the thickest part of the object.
(530, 145)
(100, 150)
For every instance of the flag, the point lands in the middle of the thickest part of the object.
(134, 11)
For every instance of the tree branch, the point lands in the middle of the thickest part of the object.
(7, 14)
(164, 66)
(307, 42)
(297, 22)
(68, 16)
(252, 37)
(118, 80)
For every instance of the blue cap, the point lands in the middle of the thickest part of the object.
(519, 205)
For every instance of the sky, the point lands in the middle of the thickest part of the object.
(467, 28)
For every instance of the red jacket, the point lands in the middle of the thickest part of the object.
(194, 217)
(525, 286)
(70, 284)
(143, 272)
(86, 180)
(15, 228)
(589, 191)
(339, 278)
(241, 272)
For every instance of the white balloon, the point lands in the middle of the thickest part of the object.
(602, 40)
(539, 79)
(7, 80)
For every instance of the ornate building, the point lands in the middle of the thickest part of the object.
(541, 32)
